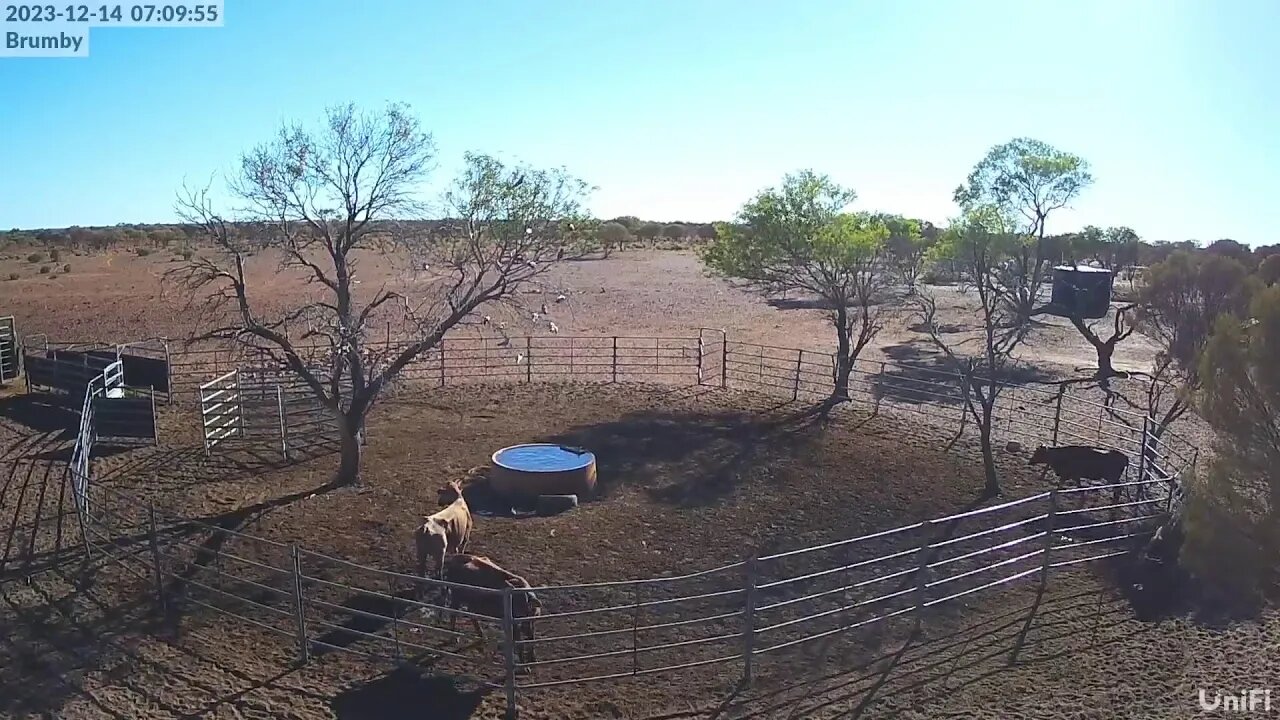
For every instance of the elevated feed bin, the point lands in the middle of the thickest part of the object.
(1081, 290)
(525, 471)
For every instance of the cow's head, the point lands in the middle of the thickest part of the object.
(451, 491)
(1040, 456)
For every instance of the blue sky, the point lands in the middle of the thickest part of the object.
(683, 109)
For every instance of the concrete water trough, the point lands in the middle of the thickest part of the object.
(537, 469)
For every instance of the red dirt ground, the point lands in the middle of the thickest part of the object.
(692, 478)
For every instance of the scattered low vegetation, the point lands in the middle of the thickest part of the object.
(45, 269)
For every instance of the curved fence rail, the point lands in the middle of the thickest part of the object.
(742, 612)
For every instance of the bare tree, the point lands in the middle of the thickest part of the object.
(317, 199)
(1105, 347)
(980, 245)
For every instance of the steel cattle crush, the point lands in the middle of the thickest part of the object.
(263, 406)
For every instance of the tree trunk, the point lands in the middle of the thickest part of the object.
(992, 488)
(351, 436)
(844, 364)
(1105, 368)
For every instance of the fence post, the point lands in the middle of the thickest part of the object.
(724, 359)
(528, 359)
(635, 631)
(795, 389)
(155, 558)
(1057, 415)
(1045, 563)
(239, 405)
(1142, 457)
(876, 410)
(155, 426)
(749, 617)
(299, 610)
(699, 357)
(168, 374)
(922, 571)
(284, 422)
(395, 619)
(615, 358)
(509, 651)
(441, 362)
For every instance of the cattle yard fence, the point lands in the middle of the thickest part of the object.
(743, 613)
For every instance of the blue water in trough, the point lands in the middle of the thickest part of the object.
(543, 457)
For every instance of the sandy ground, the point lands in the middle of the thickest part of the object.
(691, 478)
(637, 293)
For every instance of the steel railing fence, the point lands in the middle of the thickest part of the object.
(588, 632)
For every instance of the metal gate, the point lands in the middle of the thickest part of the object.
(263, 406)
(10, 357)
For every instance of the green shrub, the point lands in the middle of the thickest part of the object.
(35, 257)
(1225, 541)
(44, 269)
(142, 252)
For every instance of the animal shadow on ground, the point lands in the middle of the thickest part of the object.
(370, 614)
(406, 693)
(721, 447)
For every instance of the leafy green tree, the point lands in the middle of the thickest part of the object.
(981, 246)
(613, 235)
(649, 231)
(1227, 247)
(1025, 180)
(1236, 522)
(1178, 305)
(630, 222)
(1269, 270)
(675, 231)
(906, 248)
(799, 237)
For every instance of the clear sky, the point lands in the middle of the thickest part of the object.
(682, 109)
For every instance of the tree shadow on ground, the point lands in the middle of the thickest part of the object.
(692, 458)
(926, 664)
(804, 303)
(920, 374)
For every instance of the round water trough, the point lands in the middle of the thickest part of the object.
(543, 469)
